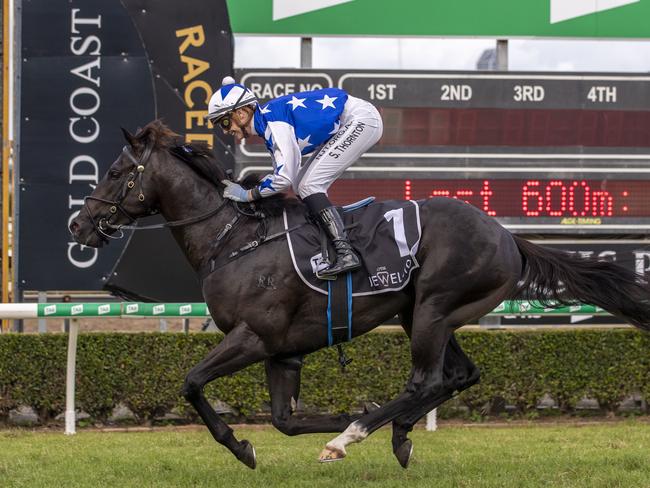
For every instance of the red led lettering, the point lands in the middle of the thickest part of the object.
(555, 200)
(486, 193)
(602, 204)
(532, 202)
(575, 201)
(464, 193)
(516, 198)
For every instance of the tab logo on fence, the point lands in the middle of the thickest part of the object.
(158, 309)
(76, 309)
(49, 310)
(185, 309)
(132, 308)
(103, 309)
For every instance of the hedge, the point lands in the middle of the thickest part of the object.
(145, 372)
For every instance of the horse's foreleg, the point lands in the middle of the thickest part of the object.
(240, 348)
(284, 387)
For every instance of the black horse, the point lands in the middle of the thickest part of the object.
(468, 265)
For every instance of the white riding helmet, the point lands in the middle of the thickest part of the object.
(228, 98)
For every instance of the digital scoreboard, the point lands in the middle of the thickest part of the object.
(543, 153)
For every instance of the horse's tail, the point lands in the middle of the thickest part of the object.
(554, 276)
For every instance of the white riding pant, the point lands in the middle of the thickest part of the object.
(361, 127)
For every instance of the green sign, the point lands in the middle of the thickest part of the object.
(442, 18)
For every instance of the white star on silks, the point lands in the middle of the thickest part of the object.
(327, 101)
(303, 143)
(296, 102)
(336, 128)
(265, 110)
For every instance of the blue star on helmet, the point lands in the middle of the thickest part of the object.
(277, 170)
(267, 183)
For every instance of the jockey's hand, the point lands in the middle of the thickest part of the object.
(235, 192)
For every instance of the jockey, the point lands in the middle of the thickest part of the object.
(336, 127)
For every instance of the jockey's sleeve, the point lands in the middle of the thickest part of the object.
(286, 161)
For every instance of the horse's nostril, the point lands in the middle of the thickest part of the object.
(74, 226)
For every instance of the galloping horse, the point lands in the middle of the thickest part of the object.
(468, 265)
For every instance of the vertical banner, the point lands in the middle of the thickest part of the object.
(88, 68)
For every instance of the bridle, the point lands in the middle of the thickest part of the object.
(103, 224)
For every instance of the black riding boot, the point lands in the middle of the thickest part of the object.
(346, 258)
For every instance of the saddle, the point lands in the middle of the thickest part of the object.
(386, 236)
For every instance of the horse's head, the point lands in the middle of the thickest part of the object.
(126, 192)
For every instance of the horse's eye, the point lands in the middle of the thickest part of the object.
(114, 174)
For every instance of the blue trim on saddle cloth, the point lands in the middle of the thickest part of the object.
(360, 204)
(330, 338)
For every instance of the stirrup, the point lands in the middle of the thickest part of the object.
(334, 276)
(326, 277)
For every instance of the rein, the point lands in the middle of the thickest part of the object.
(104, 223)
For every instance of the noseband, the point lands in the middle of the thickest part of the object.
(104, 223)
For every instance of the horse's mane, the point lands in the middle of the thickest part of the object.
(199, 157)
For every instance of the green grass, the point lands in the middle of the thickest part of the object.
(600, 455)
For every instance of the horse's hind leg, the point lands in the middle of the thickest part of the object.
(240, 348)
(459, 373)
(284, 388)
(429, 338)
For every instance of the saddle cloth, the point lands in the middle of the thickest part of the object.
(386, 235)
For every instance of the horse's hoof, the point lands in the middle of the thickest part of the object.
(403, 453)
(329, 455)
(247, 454)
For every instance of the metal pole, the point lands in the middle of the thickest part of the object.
(42, 323)
(306, 52)
(70, 427)
(6, 145)
(186, 326)
(163, 325)
(502, 54)
(14, 137)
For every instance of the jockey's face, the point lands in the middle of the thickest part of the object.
(239, 124)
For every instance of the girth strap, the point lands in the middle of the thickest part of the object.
(339, 309)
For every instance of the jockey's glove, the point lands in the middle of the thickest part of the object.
(236, 192)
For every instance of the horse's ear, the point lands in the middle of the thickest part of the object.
(130, 138)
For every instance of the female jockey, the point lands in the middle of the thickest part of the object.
(335, 126)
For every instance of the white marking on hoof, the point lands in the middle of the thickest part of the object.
(354, 433)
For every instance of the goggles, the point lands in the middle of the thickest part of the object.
(224, 122)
